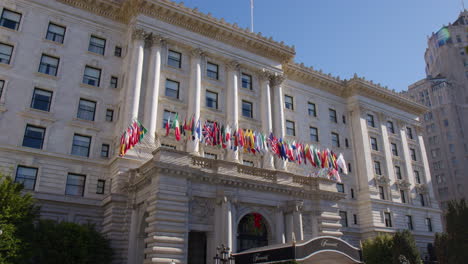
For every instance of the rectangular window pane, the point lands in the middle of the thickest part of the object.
(377, 168)
(398, 172)
(370, 120)
(55, 33)
(172, 89)
(97, 45)
(10, 19)
(409, 132)
(288, 102)
(26, 176)
(332, 115)
(388, 219)
(390, 127)
(48, 65)
(174, 59)
(5, 53)
(86, 110)
(344, 219)
(101, 185)
(247, 109)
(2, 84)
(81, 145)
(33, 137)
(335, 140)
(41, 99)
(394, 149)
(340, 187)
(92, 76)
(403, 196)
(374, 144)
(118, 51)
(211, 99)
(212, 70)
(105, 150)
(246, 81)
(168, 115)
(311, 109)
(109, 115)
(409, 222)
(382, 192)
(114, 82)
(75, 184)
(290, 129)
(314, 134)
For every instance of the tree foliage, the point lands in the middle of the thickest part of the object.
(378, 250)
(405, 245)
(441, 247)
(17, 215)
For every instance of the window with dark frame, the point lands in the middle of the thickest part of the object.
(101, 186)
(212, 70)
(382, 192)
(55, 33)
(344, 219)
(394, 149)
(346, 142)
(409, 222)
(374, 145)
(355, 219)
(290, 128)
(2, 85)
(105, 150)
(97, 45)
(388, 219)
(312, 109)
(172, 89)
(109, 115)
(168, 115)
(34, 137)
(403, 196)
(352, 193)
(41, 99)
(211, 99)
(289, 102)
(370, 120)
(10, 19)
(49, 65)
(429, 224)
(332, 115)
(5, 53)
(409, 132)
(92, 76)
(26, 176)
(174, 59)
(377, 169)
(340, 187)
(422, 199)
(247, 109)
(81, 145)
(335, 140)
(86, 110)
(390, 127)
(118, 51)
(344, 119)
(398, 172)
(413, 154)
(246, 81)
(349, 167)
(417, 177)
(75, 184)
(314, 134)
(114, 81)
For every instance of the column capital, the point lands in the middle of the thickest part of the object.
(155, 40)
(295, 206)
(139, 34)
(233, 65)
(197, 52)
(265, 75)
(277, 80)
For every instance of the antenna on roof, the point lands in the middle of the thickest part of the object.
(463, 5)
(251, 15)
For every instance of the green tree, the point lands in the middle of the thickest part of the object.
(69, 243)
(441, 248)
(405, 245)
(17, 215)
(378, 250)
(457, 230)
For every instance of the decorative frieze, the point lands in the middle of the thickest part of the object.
(403, 184)
(266, 174)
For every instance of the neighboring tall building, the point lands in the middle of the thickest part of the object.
(75, 73)
(445, 92)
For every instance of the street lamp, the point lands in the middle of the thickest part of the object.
(223, 255)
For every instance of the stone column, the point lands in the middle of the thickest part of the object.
(279, 120)
(297, 221)
(406, 155)
(135, 74)
(194, 95)
(388, 156)
(427, 174)
(224, 226)
(267, 124)
(280, 237)
(289, 227)
(232, 103)
(152, 90)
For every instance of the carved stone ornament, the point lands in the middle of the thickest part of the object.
(265, 75)
(139, 34)
(201, 210)
(421, 188)
(154, 39)
(403, 184)
(197, 52)
(295, 206)
(277, 80)
(381, 180)
(233, 65)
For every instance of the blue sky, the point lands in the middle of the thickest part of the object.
(382, 40)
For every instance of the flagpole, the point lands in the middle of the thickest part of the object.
(251, 16)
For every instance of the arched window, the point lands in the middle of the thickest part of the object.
(252, 232)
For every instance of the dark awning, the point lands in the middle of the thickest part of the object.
(301, 251)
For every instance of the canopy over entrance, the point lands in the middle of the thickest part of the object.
(320, 250)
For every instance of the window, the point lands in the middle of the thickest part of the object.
(246, 81)
(172, 89)
(382, 192)
(101, 185)
(55, 33)
(394, 149)
(109, 115)
(97, 45)
(41, 99)
(374, 144)
(118, 51)
(421, 198)
(413, 154)
(26, 176)
(34, 137)
(409, 222)
(352, 193)
(86, 110)
(168, 115)
(403, 196)
(390, 127)
(429, 224)
(332, 115)
(349, 167)
(49, 65)
(247, 109)
(387, 219)
(290, 129)
(312, 109)
(398, 172)
(5, 53)
(344, 219)
(289, 102)
(314, 134)
(2, 84)
(451, 148)
(446, 123)
(355, 219)
(81, 145)
(114, 81)
(92, 76)
(335, 140)
(10, 19)
(248, 163)
(212, 70)
(409, 132)
(346, 142)
(211, 156)
(340, 187)
(416, 176)
(377, 168)
(211, 99)
(75, 184)
(174, 59)
(370, 120)
(105, 150)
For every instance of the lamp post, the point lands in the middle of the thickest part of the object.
(223, 255)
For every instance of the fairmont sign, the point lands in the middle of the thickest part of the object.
(300, 251)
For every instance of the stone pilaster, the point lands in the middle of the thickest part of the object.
(267, 124)
(279, 121)
(232, 103)
(195, 94)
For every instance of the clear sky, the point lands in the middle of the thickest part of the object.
(382, 40)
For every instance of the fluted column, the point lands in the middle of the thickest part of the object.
(267, 124)
(280, 237)
(194, 95)
(297, 220)
(232, 103)
(135, 74)
(152, 90)
(278, 129)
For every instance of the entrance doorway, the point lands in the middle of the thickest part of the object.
(197, 248)
(252, 232)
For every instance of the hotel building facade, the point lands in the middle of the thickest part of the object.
(75, 73)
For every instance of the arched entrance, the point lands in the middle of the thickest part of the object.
(252, 232)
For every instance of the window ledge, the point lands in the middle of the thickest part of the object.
(48, 76)
(2, 108)
(89, 86)
(217, 110)
(6, 66)
(11, 30)
(76, 122)
(38, 114)
(52, 42)
(96, 54)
